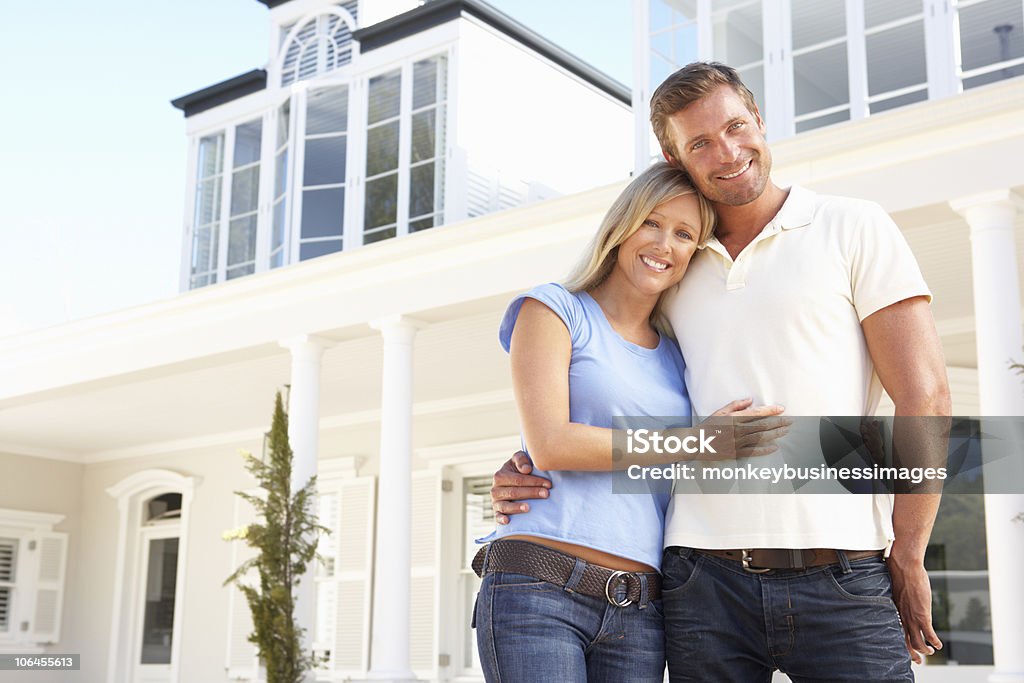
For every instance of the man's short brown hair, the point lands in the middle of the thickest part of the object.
(685, 87)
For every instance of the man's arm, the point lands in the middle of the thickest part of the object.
(907, 355)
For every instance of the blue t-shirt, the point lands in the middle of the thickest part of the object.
(608, 377)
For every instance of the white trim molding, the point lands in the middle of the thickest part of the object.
(130, 493)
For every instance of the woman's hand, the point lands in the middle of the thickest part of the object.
(743, 430)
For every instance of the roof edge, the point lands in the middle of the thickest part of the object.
(436, 12)
(221, 93)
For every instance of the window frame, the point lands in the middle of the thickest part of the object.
(406, 111)
(944, 75)
(147, 533)
(131, 494)
(354, 75)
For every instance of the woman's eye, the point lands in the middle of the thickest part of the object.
(650, 223)
(682, 234)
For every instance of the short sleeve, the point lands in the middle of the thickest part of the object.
(884, 270)
(553, 295)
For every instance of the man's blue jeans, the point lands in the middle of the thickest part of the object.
(821, 624)
(529, 631)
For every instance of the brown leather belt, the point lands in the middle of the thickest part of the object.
(760, 560)
(553, 566)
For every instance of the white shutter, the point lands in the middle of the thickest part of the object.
(51, 562)
(425, 561)
(8, 564)
(353, 574)
(242, 662)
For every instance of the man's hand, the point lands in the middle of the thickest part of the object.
(912, 594)
(513, 484)
(746, 430)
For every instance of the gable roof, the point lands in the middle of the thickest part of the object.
(432, 13)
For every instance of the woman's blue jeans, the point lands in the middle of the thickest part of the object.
(529, 631)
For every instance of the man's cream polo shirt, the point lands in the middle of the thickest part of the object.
(781, 324)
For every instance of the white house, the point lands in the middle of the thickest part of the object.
(357, 215)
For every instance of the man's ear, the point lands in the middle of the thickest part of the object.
(671, 161)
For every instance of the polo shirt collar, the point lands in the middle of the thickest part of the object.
(797, 211)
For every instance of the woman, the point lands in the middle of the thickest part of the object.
(570, 591)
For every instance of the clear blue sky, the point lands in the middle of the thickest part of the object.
(93, 155)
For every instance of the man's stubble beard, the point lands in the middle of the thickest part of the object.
(713, 192)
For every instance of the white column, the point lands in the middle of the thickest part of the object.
(304, 438)
(991, 217)
(389, 648)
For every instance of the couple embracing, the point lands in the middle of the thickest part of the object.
(709, 290)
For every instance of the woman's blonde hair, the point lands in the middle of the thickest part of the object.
(656, 185)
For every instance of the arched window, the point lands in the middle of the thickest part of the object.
(320, 44)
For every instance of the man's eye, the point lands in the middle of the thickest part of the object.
(736, 125)
(698, 145)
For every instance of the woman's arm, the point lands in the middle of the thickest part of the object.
(540, 351)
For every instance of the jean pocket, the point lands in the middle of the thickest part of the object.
(510, 581)
(678, 573)
(868, 582)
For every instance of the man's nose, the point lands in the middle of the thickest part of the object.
(729, 151)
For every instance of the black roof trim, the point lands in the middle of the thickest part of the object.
(436, 12)
(225, 91)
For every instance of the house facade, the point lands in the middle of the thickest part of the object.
(358, 213)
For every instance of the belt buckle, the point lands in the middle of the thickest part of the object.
(608, 589)
(746, 558)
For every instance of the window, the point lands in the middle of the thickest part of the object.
(957, 559)
(324, 168)
(206, 223)
(991, 40)
(226, 249)
(245, 190)
(426, 175)
(295, 183)
(895, 53)
(404, 181)
(322, 44)
(821, 83)
(160, 535)
(32, 569)
(812, 63)
(673, 37)
(279, 210)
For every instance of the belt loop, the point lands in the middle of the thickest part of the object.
(844, 562)
(576, 575)
(642, 602)
(684, 552)
(487, 551)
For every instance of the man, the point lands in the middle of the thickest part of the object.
(815, 303)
